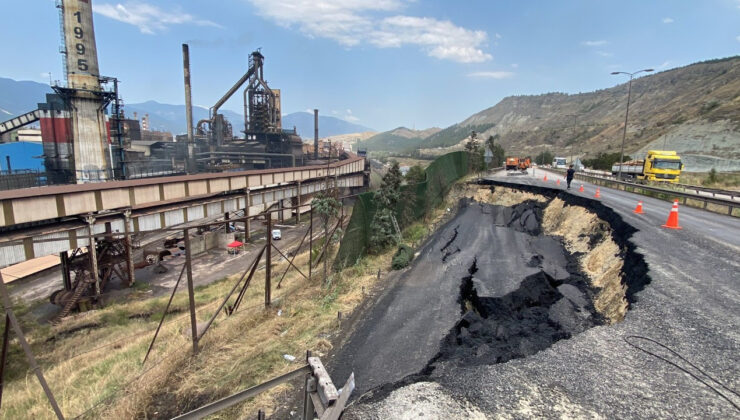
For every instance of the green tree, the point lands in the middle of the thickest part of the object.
(499, 155)
(415, 175)
(544, 158)
(327, 206)
(604, 161)
(387, 197)
(476, 153)
(711, 177)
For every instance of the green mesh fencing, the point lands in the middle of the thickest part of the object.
(416, 201)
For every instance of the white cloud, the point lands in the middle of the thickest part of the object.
(355, 22)
(148, 18)
(440, 39)
(594, 43)
(667, 20)
(737, 38)
(492, 74)
(348, 116)
(514, 66)
(604, 53)
(664, 65)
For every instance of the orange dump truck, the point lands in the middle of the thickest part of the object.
(524, 164)
(517, 164)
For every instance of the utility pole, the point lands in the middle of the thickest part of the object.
(626, 115)
(575, 118)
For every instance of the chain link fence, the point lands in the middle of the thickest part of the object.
(416, 201)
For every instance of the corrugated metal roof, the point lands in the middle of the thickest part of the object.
(70, 188)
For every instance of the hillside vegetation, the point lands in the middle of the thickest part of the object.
(397, 140)
(694, 110)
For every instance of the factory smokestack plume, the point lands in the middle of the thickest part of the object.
(315, 133)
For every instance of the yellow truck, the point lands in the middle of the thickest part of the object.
(659, 165)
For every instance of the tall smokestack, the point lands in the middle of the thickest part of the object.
(315, 133)
(90, 148)
(188, 104)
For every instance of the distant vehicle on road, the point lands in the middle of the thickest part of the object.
(559, 163)
(659, 165)
(276, 234)
(512, 163)
(516, 163)
(524, 164)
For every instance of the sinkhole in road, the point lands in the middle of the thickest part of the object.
(582, 272)
(519, 268)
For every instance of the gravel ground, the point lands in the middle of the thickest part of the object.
(692, 305)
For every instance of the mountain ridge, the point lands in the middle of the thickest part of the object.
(398, 139)
(19, 97)
(694, 109)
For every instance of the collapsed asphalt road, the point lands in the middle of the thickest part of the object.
(691, 305)
(489, 287)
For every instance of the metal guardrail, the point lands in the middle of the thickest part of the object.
(662, 193)
(697, 188)
(714, 191)
(321, 398)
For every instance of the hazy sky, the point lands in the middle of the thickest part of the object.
(380, 63)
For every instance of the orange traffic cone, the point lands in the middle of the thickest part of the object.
(638, 209)
(581, 189)
(598, 193)
(672, 222)
(545, 179)
(558, 182)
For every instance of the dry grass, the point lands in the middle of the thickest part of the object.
(237, 352)
(725, 180)
(600, 262)
(93, 359)
(502, 196)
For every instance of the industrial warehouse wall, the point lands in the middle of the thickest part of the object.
(416, 201)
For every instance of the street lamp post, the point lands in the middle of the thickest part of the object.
(626, 115)
(575, 119)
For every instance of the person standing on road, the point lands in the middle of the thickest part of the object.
(569, 175)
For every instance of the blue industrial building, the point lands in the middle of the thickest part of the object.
(22, 155)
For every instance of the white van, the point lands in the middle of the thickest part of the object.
(276, 234)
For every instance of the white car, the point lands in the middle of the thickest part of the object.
(276, 234)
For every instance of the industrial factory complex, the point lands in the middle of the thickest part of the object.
(107, 178)
(168, 262)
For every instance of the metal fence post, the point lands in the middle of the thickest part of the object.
(27, 349)
(191, 293)
(268, 259)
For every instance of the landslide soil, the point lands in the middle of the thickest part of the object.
(531, 271)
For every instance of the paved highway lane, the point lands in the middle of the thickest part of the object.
(691, 305)
(714, 226)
